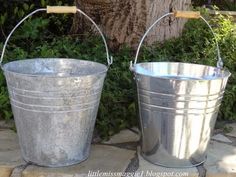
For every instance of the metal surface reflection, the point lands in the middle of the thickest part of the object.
(178, 105)
(55, 103)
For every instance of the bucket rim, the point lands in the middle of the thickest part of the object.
(227, 75)
(53, 76)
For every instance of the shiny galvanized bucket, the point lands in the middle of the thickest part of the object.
(178, 107)
(55, 103)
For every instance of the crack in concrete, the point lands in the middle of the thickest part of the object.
(18, 170)
(134, 130)
(126, 145)
(132, 166)
(201, 170)
(233, 139)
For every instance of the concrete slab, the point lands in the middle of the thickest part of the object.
(17, 172)
(10, 156)
(123, 137)
(221, 138)
(102, 159)
(7, 124)
(233, 131)
(221, 159)
(5, 171)
(148, 169)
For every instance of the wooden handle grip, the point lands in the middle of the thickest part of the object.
(187, 14)
(61, 9)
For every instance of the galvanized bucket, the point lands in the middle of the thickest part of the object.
(55, 103)
(178, 107)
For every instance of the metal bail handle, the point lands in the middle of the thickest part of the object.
(59, 9)
(180, 14)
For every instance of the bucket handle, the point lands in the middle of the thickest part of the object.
(59, 9)
(180, 14)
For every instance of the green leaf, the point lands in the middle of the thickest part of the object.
(43, 3)
(3, 18)
(26, 6)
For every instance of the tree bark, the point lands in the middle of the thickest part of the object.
(125, 21)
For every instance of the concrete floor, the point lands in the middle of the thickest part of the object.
(120, 156)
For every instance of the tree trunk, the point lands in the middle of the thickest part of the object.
(125, 21)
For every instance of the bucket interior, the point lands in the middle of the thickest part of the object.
(182, 71)
(60, 67)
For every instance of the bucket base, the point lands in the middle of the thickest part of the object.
(176, 164)
(58, 165)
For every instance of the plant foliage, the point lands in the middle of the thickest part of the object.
(40, 37)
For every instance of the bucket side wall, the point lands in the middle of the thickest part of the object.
(177, 118)
(55, 117)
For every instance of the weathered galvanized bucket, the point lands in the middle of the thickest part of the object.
(55, 103)
(178, 107)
